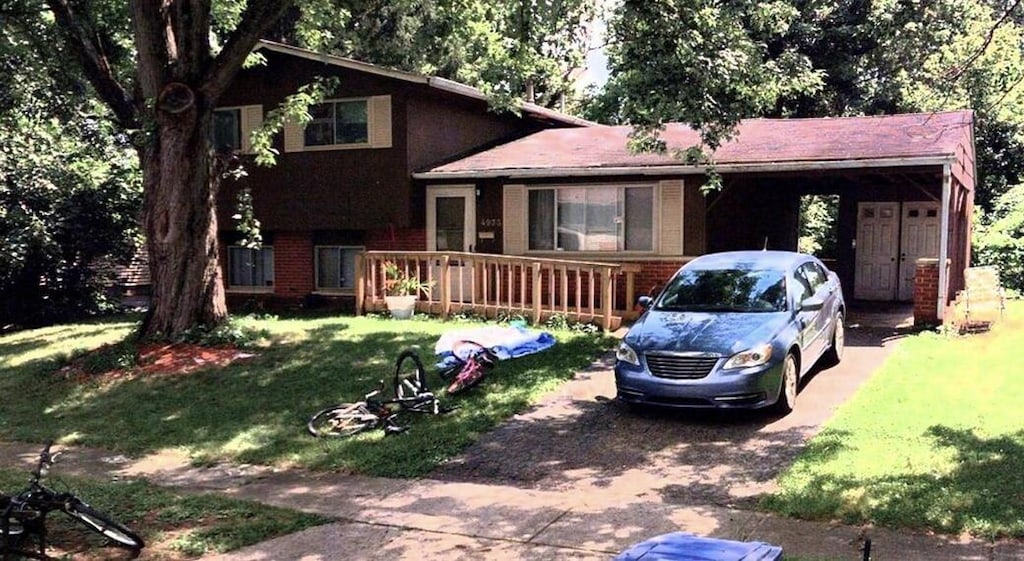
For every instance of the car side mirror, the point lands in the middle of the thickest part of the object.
(644, 302)
(812, 304)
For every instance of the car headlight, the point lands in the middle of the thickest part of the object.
(625, 353)
(751, 357)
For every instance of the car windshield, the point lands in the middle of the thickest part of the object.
(725, 290)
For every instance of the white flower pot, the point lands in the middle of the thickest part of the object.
(401, 307)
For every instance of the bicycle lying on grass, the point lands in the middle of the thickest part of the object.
(23, 517)
(411, 394)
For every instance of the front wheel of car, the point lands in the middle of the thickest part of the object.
(835, 353)
(788, 387)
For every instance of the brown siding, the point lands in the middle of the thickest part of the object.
(334, 189)
(441, 129)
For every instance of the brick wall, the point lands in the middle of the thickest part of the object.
(293, 264)
(653, 276)
(397, 239)
(926, 292)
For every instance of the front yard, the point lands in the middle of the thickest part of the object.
(255, 409)
(934, 441)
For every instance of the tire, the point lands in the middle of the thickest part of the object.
(103, 524)
(342, 420)
(789, 386)
(410, 376)
(834, 355)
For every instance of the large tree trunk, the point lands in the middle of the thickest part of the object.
(179, 216)
(172, 95)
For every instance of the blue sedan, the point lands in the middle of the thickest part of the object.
(733, 330)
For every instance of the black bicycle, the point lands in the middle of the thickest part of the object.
(411, 394)
(23, 517)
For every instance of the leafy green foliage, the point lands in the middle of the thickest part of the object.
(818, 219)
(999, 239)
(504, 48)
(69, 193)
(711, 64)
(703, 63)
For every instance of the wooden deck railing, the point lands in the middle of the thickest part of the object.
(493, 285)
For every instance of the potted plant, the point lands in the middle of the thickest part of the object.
(401, 290)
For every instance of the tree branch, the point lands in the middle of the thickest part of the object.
(191, 25)
(84, 43)
(958, 71)
(149, 25)
(259, 15)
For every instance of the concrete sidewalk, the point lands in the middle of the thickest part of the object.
(427, 519)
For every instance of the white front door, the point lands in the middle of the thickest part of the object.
(451, 226)
(919, 238)
(877, 251)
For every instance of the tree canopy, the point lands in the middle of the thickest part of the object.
(711, 64)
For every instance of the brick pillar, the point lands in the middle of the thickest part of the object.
(926, 292)
(293, 264)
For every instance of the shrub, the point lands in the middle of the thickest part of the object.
(999, 238)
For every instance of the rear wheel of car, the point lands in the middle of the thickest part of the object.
(788, 387)
(835, 353)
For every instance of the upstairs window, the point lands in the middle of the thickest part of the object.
(338, 122)
(227, 129)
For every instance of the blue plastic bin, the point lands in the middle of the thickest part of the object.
(680, 546)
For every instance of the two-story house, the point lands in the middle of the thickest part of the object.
(343, 183)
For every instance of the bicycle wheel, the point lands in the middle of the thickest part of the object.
(342, 420)
(103, 524)
(410, 377)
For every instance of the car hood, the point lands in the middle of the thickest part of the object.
(722, 333)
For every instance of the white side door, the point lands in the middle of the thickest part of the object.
(877, 248)
(919, 238)
(451, 226)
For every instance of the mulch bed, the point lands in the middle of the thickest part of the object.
(158, 359)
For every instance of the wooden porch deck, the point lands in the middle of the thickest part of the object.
(502, 286)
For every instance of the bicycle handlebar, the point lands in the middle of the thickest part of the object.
(45, 461)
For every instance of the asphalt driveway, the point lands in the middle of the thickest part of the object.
(581, 439)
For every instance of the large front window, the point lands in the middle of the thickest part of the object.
(336, 267)
(250, 268)
(338, 122)
(616, 218)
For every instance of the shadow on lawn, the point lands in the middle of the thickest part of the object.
(981, 495)
(255, 410)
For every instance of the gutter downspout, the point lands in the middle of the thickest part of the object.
(944, 243)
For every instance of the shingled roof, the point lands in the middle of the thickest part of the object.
(761, 144)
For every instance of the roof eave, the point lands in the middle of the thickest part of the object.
(435, 82)
(758, 167)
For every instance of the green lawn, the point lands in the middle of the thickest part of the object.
(935, 440)
(173, 525)
(255, 411)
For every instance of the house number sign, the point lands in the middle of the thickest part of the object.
(491, 223)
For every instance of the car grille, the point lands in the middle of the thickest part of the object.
(680, 367)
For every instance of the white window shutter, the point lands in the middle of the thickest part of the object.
(670, 222)
(514, 219)
(379, 112)
(294, 136)
(252, 118)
